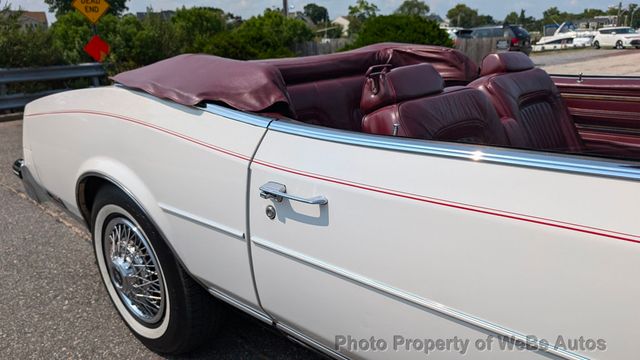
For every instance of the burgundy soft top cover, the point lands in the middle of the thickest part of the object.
(262, 85)
(190, 79)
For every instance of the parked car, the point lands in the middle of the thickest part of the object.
(393, 193)
(518, 39)
(617, 37)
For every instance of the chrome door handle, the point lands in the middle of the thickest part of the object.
(277, 192)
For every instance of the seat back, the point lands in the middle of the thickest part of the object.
(411, 101)
(326, 89)
(528, 103)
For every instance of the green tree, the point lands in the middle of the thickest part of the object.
(270, 35)
(554, 15)
(155, 41)
(194, 27)
(512, 18)
(463, 16)
(363, 10)
(522, 19)
(413, 7)
(71, 32)
(359, 13)
(61, 7)
(317, 14)
(24, 47)
(401, 28)
(485, 20)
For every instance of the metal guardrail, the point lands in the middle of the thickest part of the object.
(93, 71)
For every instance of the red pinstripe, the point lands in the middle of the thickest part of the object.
(460, 206)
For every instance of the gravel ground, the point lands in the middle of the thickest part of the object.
(590, 62)
(53, 304)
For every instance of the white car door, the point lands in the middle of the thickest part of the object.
(609, 38)
(601, 38)
(423, 240)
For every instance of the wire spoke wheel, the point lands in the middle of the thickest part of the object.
(134, 271)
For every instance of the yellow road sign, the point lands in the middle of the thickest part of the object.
(92, 9)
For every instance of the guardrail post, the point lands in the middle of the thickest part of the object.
(96, 81)
(3, 89)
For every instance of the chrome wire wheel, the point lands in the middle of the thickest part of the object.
(133, 269)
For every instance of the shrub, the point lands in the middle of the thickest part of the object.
(403, 29)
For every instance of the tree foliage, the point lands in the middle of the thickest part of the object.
(363, 10)
(463, 16)
(317, 14)
(512, 18)
(401, 28)
(61, 7)
(194, 27)
(24, 47)
(269, 35)
(413, 7)
(359, 13)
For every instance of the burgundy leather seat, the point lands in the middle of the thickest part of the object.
(326, 89)
(411, 101)
(528, 102)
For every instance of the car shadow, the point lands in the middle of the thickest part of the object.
(242, 337)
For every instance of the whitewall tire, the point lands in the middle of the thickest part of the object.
(163, 307)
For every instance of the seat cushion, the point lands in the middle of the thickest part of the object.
(529, 104)
(410, 102)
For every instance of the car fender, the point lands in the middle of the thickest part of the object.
(126, 179)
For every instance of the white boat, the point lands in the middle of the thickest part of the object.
(566, 36)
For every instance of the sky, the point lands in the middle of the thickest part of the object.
(245, 8)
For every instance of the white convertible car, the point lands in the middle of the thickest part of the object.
(389, 202)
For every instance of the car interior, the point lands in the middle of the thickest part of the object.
(416, 92)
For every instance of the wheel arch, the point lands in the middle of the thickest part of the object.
(91, 181)
(87, 186)
(100, 171)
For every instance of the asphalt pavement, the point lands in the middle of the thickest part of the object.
(53, 304)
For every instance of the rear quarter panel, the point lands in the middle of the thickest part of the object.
(165, 154)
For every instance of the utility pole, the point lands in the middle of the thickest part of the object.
(285, 7)
(619, 14)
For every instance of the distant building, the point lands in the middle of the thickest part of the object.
(32, 19)
(344, 22)
(164, 14)
(301, 16)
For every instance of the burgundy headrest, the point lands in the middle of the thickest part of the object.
(505, 63)
(385, 87)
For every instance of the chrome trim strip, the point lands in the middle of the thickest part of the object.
(241, 305)
(304, 339)
(202, 221)
(414, 299)
(548, 161)
(572, 76)
(606, 129)
(247, 118)
(622, 98)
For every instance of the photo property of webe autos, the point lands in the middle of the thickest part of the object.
(391, 192)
